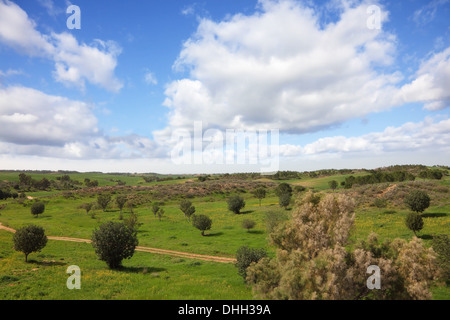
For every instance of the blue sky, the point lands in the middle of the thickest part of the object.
(346, 87)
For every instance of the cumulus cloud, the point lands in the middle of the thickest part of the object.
(74, 63)
(431, 84)
(425, 136)
(279, 68)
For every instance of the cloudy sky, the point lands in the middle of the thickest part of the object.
(346, 84)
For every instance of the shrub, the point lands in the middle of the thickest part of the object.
(103, 200)
(37, 208)
(248, 224)
(245, 256)
(260, 194)
(414, 222)
(380, 203)
(441, 245)
(417, 201)
(202, 223)
(113, 242)
(187, 208)
(29, 239)
(333, 184)
(284, 199)
(235, 204)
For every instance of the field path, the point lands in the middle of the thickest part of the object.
(147, 249)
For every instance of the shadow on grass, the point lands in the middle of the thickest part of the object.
(247, 211)
(143, 270)
(216, 234)
(46, 263)
(256, 231)
(433, 215)
(426, 237)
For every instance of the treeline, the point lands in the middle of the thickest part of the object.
(378, 177)
(159, 179)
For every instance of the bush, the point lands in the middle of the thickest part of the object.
(235, 204)
(417, 201)
(103, 200)
(113, 242)
(414, 222)
(37, 208)
(380, 203)
(29, 239)
(202, 223)
(248, 224)
(284, 199)
(441, 245)
(245, 256)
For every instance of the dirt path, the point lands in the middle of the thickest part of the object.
(146, 249)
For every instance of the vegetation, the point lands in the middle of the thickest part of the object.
(202, 223)
(29, 239)
(103, 200)
(113, 242)
(418, 201)
(37, 208)
(260, 194)
(236, 204)
(414, 222)
(245, 256)
(187, 208)
(248, 224)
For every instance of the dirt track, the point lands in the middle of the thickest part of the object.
(146, 249)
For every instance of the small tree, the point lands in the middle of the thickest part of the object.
(120, 201)
(103, 200)
(235, 204)
(160, 213)
(29, 239)
(414, 222)
(245, 256)
(187, 208)
(417, 201)
(113, 242)
(87, 206)
(283, 188)
(155, 208)
(248, 224)
(132, 222)
(37, 208)
(202, 223)
(260, 194)
(284, 199)
(441, 245)
(333, 184)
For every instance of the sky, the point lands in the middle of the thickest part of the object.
(216, 86)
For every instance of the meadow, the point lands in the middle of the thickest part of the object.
(154, 276)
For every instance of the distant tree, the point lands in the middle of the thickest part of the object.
(160, 213)
(87, 206)
(132, 222)
(37, 208)
(283, 188)
(284, 199)
(113, 242)
(414, 222)
(29, 239)
(235, 204)
(417, 201)
(248, 224)
(187, 208)
(120, 201)
(274, 219)
(245, 256)
(260, 194)
(333, 184)
(44, 184)
(103, 200)
(202, 223)
(155, 208)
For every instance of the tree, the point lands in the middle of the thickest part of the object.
(414, 222)
(245, 256)
(235, 204)
(274, 219)
(155, 208)
(333, 184)
(37, 208)
(202, 223)
(160, 213)
(113, 242)
(283, 188)
(260, 194)
(29, 239)
(120, 201)
(187, 208)
(284, 199)
(87, 206)
(441, 245)
(417, 201)
(248, 224)
(314, 260)
(103, 200)
(132, 222)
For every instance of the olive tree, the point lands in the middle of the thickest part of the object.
(37, 208)
(236, 204)
(202, 223)
(29, 239)
(417, 201)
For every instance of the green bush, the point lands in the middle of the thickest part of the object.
(414, 222)
(246, 256)
(202, 223)
(235, 204)
(29, 239)
(37, 208)
(417, 201)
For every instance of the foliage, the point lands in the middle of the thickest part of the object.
(248, 224)
(235, 204)
(260, 194)
(245, 256)
(202, 223)
(187, 208)
(29, 239)
(273, 219)
(113, 242)
(313, 260)
(160, 213)
(155, 208)
(87, 206)
(379, 177)
(441, 245)
(284, 199)
(414, 222)
(120, 201)
(418, 201)
(37, 208)
(333, 184)
(283, 188)
(103, 200)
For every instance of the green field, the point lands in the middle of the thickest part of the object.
(153, 276)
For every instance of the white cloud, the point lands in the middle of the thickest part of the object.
(74, 63)
(431, 84)
(279, 69)
(150, 78)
